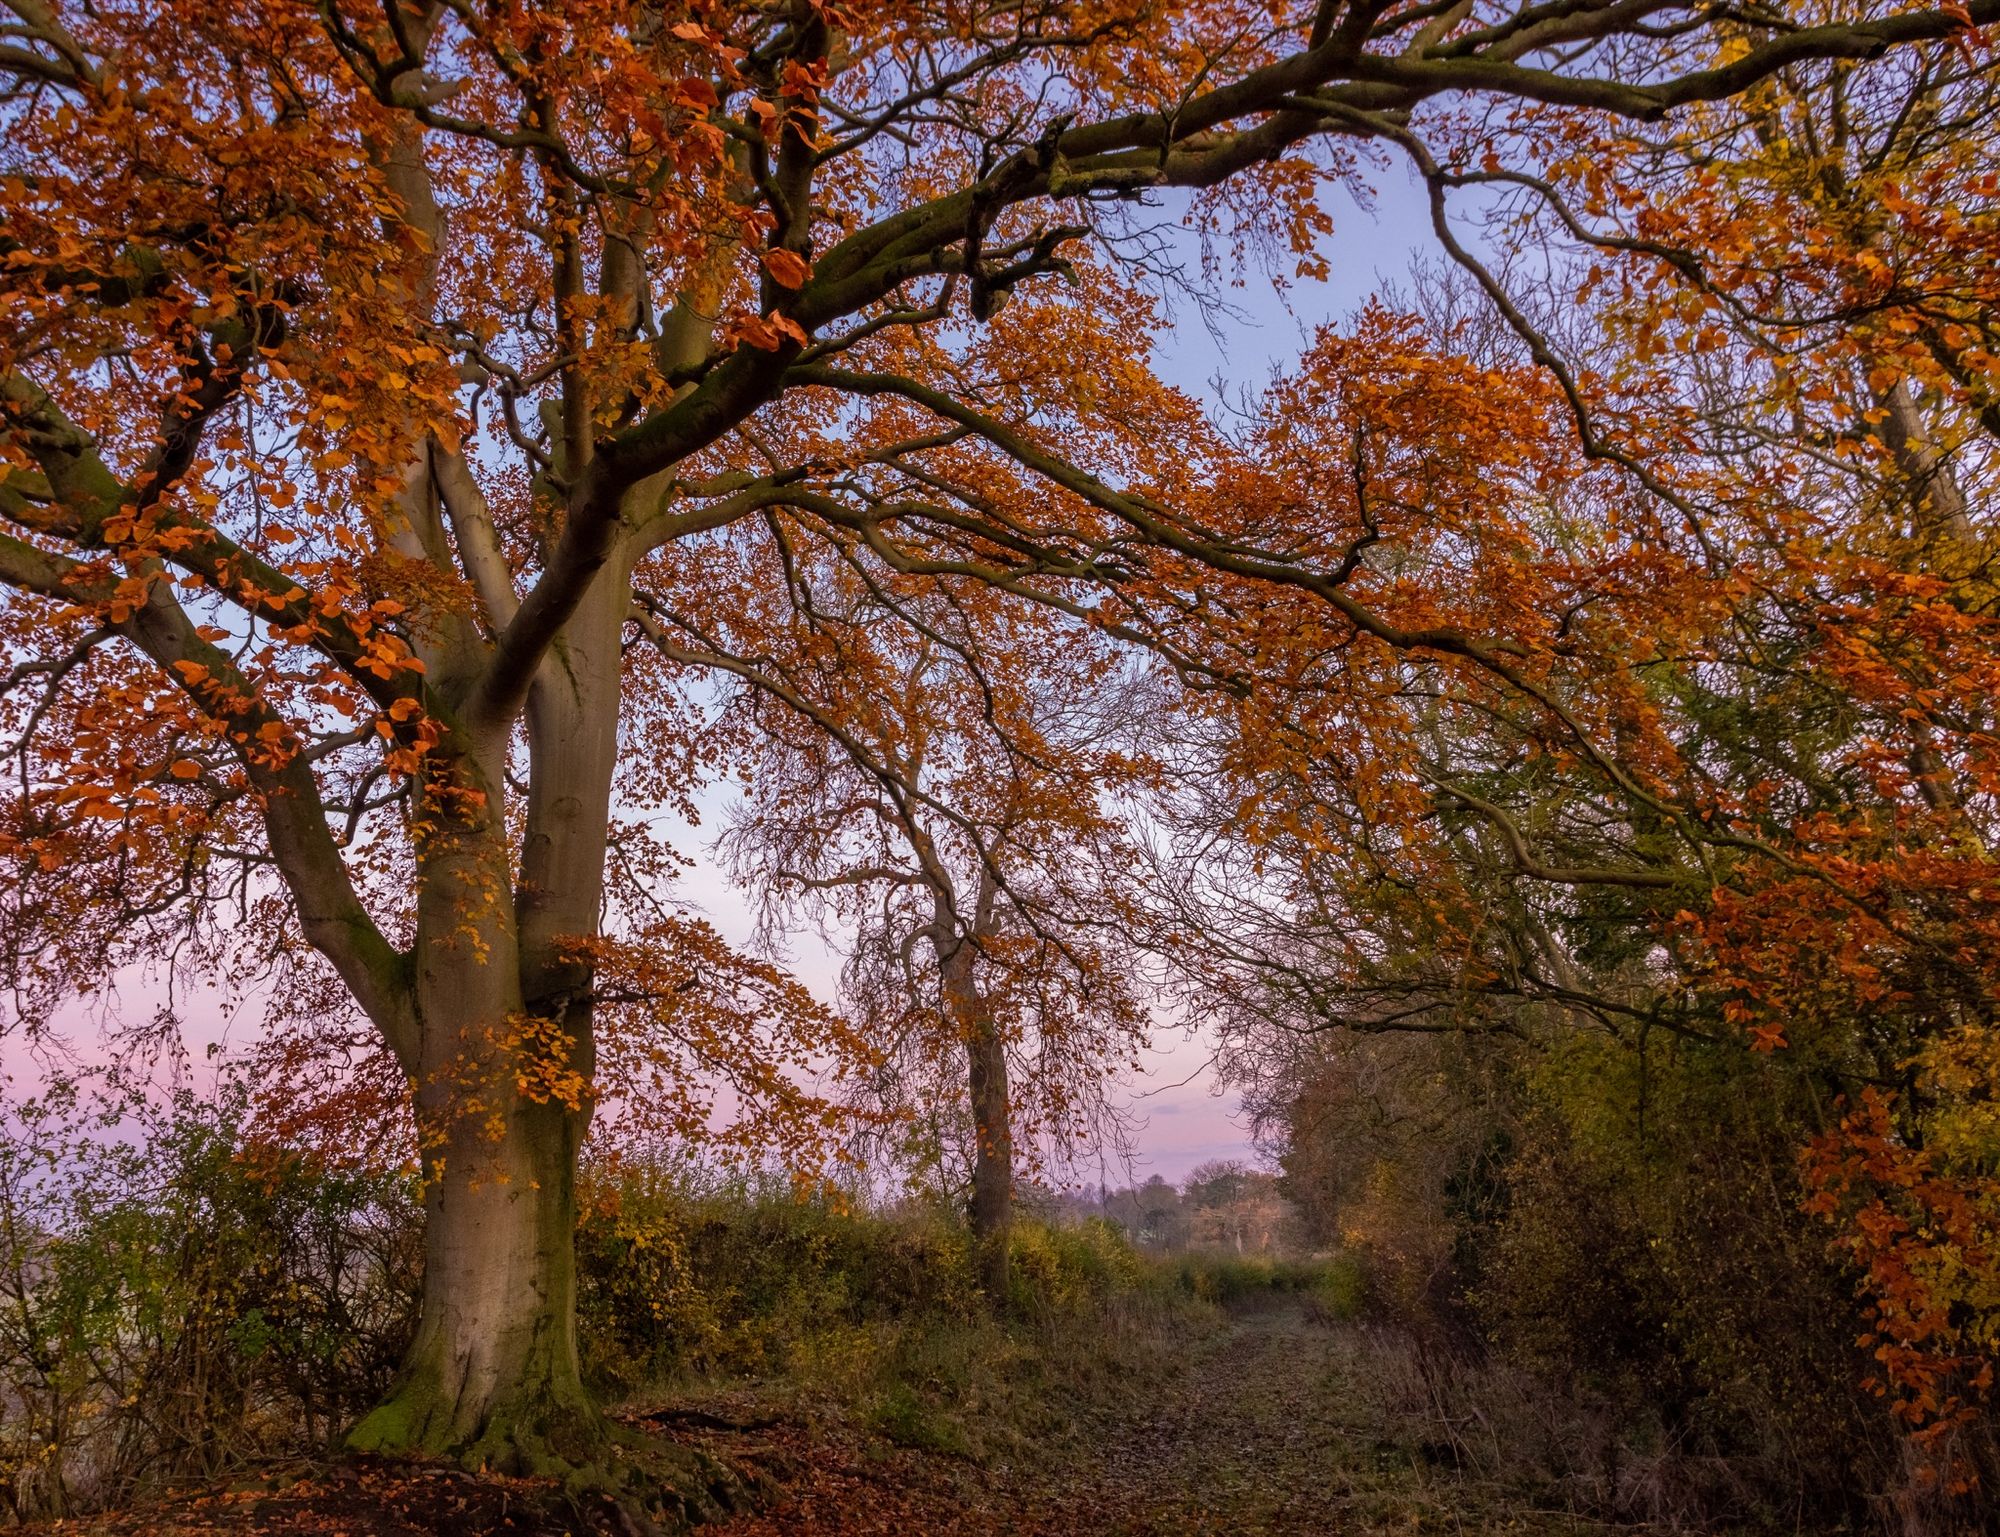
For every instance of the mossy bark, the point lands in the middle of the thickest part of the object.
(502, 1093)
(492, 1378)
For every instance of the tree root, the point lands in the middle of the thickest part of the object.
(601, 1476)
(701, 1419)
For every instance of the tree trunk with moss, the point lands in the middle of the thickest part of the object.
(503, 1074)
(492, 1376)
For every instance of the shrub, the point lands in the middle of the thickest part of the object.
(639, 1311)
(178, 1299)
(746, 1278)
(1339, 1293)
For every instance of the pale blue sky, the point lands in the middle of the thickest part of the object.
(1183, 1117)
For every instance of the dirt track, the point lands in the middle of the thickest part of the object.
(1262, 1433)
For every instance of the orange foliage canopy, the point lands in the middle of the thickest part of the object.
(408, 410)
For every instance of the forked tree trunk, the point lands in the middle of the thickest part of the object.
(504, 1083)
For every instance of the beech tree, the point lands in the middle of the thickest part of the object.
(358, 363)
(941, 777)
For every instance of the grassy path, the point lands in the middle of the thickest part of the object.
(1263, 1426)
(1248, 1443)
(1262, 1430)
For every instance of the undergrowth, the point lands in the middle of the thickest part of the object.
(179, 1304)
(821, 1309)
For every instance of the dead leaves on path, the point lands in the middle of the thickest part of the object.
(350, 1500)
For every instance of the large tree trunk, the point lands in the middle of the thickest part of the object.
(504, 1084)
(492, 1377)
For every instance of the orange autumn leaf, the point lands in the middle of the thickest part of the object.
(787, 268)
